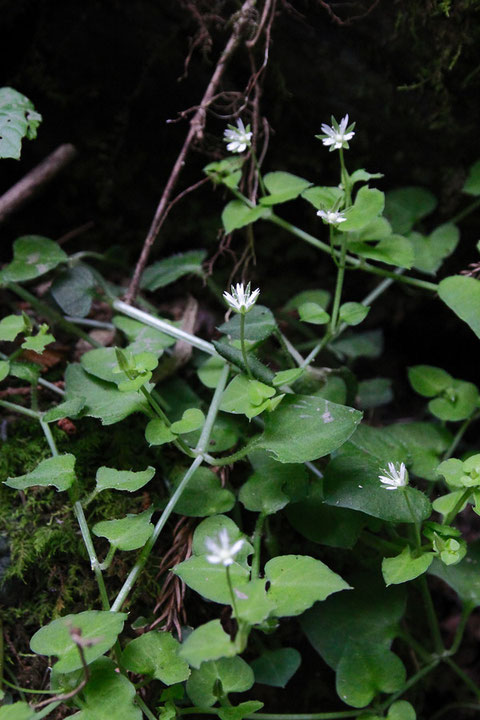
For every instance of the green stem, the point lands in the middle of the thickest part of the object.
(49, 437)
(201, 446)
(410, 683)
(463, 676)
(178, 442)
(257, 543)
(466, 612)
(459, 434)
(259, 173)
(108, 559)
(144, 708)
(27, 690)
(20, 409)
(350, 260)
(446, 709)
(447, 519)
(338, 286)
(242, 344)
(466, 211)
(415, 645)
(53, 316)
(95, 565)
(46, 710)
(232, 594)
(230, 459)
(418, 537)
(431, 615)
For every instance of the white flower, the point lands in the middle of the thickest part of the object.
(238, 138)
(337, 136)
(394, 478)
(242, 299)
(331, 217)
(221, 550)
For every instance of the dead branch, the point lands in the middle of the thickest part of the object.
(197, 124)
(35, 180)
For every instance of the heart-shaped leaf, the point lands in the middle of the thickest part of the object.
(110, 479)
(462, 295)
(157, 433)
(18, 119)
(192, 419)
(58, 471)
(169, 270)
(129, 533)
(405, 567)
(33, 256)
(364, 671)
(108, 694)
(237, 214)
(101, 627)
(207, 642)
(233, 673)
(156, 654)
(276, 667)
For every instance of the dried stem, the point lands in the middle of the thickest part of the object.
(197, 124)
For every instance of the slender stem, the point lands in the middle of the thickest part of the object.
(49, 437)
(242, 344)
(447, 519)
(431, 615)
(200, 449)
(415, 645)
(40, 381)
(89, 323)
(463, 676)
(20, 409)
(455, 706)
(259, 173)
(466, 612)
(418, 537)
(257, 543)
(410, 683)
(109, 557)
(179, 442)
(290, 348)
(95, 565)
(148, 547)
(46, 710)
(54, 316)
(466, 211)
(144, 708)
(459, 434)
(350, 260)
(230, 459)
(232, 594)
(164, 326)
(317, 349)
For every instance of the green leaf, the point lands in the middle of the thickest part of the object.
(143, 338)
(369, 203)
(110, 479)
(367, 670)
(72, 290)
(368, 613)
(207, 642)
(17, 711)
(102, 627)
(253, 603)
(318, 522)
(30, 372)
(323, 197)
(157, 433)
(238, 712)
(230, 674)
(298, 581)
(259, 324)
(430, 251)
(282, 186)
(457, 402)
(404, 207)
(38, 342)
(362, 175)
(11, 326)
(192, 419)
(464, 578)
(425, 443)
(204, 494)
(313, 313)
(245, 396)
(472, 183)
(33, 256)
(377, 229)
(428, 380)
(69, 408)
(374, 393)
(209, 373)
(156, 654)
(108, 694)
(367, 344)
(102, 363)
(227, 171)
(129, 533)
(18, 119)
(4, 369)
(321, 297)
(276, 667)
(287, 377)
(401, 710)
(352, 482)
(405, 567)
(394, 250)
(445, 503)
(169, 270)
(462, 295)
(237, 214)
(263, 494)
(353, 313)
(58, 471)
(103, 399)
(306, 428)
